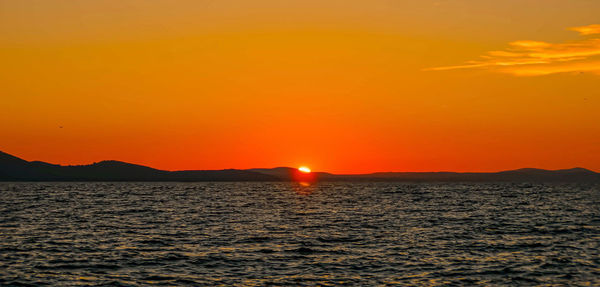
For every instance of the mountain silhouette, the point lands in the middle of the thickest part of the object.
(518, 175)
(13, 168)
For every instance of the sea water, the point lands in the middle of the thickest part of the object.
(140, 234)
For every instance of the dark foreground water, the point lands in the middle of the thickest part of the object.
(139, 234)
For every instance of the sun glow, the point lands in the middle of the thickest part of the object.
(304, 169)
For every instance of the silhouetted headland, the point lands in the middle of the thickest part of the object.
(13, 168)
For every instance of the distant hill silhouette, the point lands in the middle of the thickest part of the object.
(16, 169)
(13, 168)
(519, 175)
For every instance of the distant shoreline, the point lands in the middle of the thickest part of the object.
(14, 169)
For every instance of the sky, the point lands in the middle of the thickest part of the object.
(341, 86)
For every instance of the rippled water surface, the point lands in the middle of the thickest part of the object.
(139, 234)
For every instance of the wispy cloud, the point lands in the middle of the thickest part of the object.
(534, 58)
(587, 30)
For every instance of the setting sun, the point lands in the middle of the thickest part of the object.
(304, 169)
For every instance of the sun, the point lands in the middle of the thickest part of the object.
(304, 169)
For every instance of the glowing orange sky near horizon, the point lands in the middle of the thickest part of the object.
(340, 86)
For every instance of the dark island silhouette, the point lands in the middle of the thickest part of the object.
(13, 168)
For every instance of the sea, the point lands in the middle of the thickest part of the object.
(291, 234)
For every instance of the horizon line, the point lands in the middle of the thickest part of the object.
(283, 166)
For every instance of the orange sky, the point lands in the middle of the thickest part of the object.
(343, 86)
